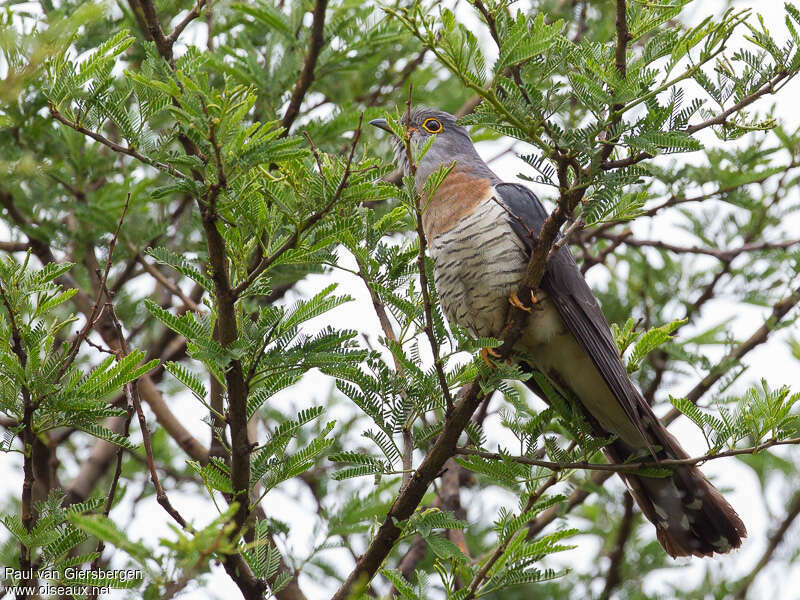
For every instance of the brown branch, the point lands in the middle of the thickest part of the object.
(134, 403)
(163, 280)
(490, 21)
(54, 112)
(14, 246)
(29, 514)
(676, 200)
(609, 141)
(660, 359)
(411, 495)
(171, 423)
(623, 37)
(722, 254)
(614, 576)
(94, 316)
(163, 45)
(774, 541)
(226, 333)
(191, 16)
(629, 466)
(94, 466)
(576, 498)
(378, 96)
(309, 64)
(112, 492)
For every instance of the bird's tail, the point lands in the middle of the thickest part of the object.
(690, 514)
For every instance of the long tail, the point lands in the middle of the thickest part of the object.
(691, 516)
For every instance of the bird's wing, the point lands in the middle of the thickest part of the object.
(573, 298)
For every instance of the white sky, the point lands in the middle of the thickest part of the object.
(772, 361)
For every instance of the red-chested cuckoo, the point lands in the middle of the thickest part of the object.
(479, 232)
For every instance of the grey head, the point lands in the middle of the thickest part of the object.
(451, 144)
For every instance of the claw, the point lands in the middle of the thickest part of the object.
(536, 302)
(514, 300)
(485, 353)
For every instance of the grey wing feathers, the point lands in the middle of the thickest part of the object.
(574, 300)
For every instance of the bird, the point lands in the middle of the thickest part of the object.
(480, 232)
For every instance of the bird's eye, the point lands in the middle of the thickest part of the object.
(432, 125)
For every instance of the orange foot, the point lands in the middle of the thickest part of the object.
(514, 300)
(485, 353)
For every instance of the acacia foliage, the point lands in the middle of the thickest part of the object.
(171, 172)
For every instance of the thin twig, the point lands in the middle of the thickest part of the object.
(133, 400)
(630, 466)
(114, 146)
(112, 492)
(163, 280)
(191, 16)
(498, 552)
(758, 337)
(94, 316)
(720, 253)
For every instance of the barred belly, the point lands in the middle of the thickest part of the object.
(477, 264)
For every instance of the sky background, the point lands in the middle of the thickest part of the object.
(772, 361)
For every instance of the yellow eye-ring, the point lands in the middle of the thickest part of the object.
(432, 125)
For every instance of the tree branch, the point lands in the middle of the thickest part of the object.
(720, 253)
(307, 73)
(114, 146)
(29, 514)
(629, 466)
(191, 16)
(163, 45)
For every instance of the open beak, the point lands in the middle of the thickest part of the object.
(380, 124)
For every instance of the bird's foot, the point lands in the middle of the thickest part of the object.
(514, 300)
(486, 353)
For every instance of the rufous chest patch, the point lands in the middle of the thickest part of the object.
(455, 199)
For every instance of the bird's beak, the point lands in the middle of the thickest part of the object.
(380, 124)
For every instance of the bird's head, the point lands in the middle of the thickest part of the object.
(451, 144)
